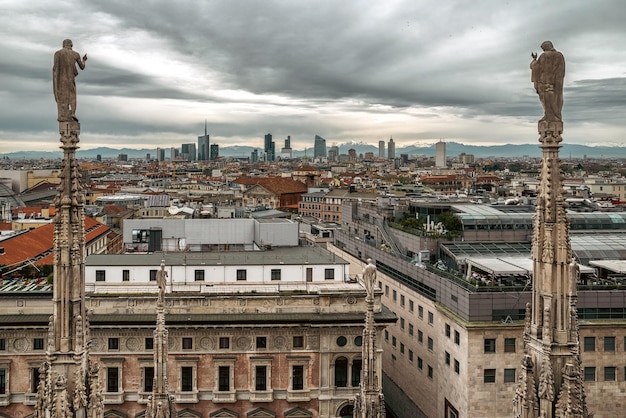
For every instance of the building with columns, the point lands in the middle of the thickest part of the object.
(251, 333)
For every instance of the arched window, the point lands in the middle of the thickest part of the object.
(357, 366)
(347, 411)
(341, 372)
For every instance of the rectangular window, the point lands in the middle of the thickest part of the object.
(447, 358)
(457, 337)
(224, 378)
(153, 274)
(457, 367)
(297, 377)
(187, 343)
(386, 335)
(402, 300)
(114, 344)
(420, 363)
(3, 344)
(431, 318)
(420, 336)
(410, 329)
(609, 374)
(490, 345)
(148, 379)
(609, 343)
(186, 379)
(420, 311)
(393, 341)
(275, 274)
(590, 344)
(37, 343)
(34, 372)
(430, 372)
(3, 381)
(113, 374)
(411, 305)
(509, 345)
(402, 348)
(224, 342)
(329, 274)
(241, 275)
(448, 330)
(260, 378)
(509, 375)
(411, 356)
(589, 374)
(125, 275)
(394, 295)
(430, 344)
(199, 275)
(386, 291)
(298, 341)
(402, 323)
(261, 343)
(100, 275)
(489, 376)
(149, 343)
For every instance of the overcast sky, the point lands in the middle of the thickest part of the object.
(414, 70)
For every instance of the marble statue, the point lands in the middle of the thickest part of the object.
(64, 73)
(161, 279)
(547, 73)
(369, 278)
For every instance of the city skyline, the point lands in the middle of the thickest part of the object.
(414, 71)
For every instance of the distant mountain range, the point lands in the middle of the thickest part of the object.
(428, 150)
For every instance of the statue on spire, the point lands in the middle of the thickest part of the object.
(547, 74)
(64, 73)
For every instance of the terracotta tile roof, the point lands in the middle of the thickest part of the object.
(31, 210)
(438, 179)
(42, 186)
(276, 185)
(114, 210)
(38, 243)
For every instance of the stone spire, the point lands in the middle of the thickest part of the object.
(369, 402)
(551, 383)
(69, 385)
(161, 403)
(68, 380)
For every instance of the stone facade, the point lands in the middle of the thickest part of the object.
(310, 354)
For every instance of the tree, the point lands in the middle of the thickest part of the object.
(451, 222)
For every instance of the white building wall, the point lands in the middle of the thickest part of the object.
(261, 274)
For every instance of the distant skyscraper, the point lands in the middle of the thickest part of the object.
(269, 148)
(203, 145)
(188, 152)
(215, 151)
(333, 153)
(319, 147)
(122, 157)
(381, 149)
(391, 149)
(160, 152)
(440, 154)
(285, 153)
(352, 154)
(254, 156)
(173, 153)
